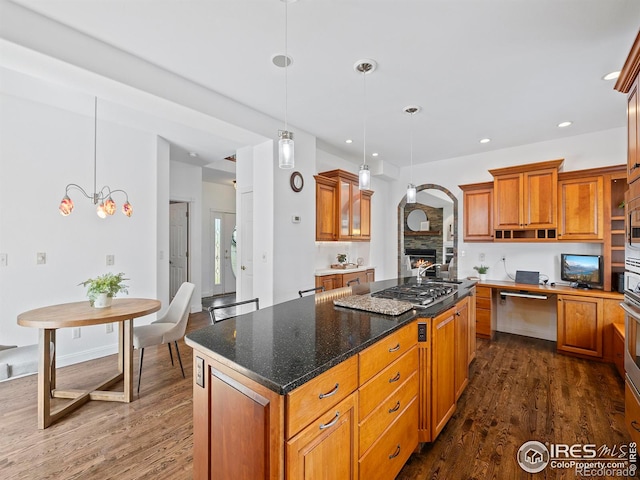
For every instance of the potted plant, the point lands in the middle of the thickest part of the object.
(342, 258)
(482, 272)
(103, 288)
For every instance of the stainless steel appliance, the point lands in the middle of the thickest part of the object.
(632, 244)
(631, 307)
(425, 294)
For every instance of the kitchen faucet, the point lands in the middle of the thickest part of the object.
(422, 270)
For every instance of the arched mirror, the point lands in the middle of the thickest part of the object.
(428, 229)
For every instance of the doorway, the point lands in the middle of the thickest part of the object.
(178, 246)
(221, 232)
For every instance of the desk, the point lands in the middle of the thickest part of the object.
(81, 314)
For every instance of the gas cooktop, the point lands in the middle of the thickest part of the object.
(425, 294)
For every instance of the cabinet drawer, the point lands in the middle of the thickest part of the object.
(483, 292)
(483, 303)
(386, 412)
(308, 402)
(378, 356)
(394, 447)
(389, 379)
(631, 412)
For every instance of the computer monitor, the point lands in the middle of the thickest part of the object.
(584, 271)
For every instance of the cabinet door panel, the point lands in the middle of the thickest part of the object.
(442, 370)
(540, 198)
(633, 135)
(580, 325)
(508, 206)
(327, 448)
(581, 209)
(478, 215)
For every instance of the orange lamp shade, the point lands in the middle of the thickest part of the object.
(66, 206)
(127, 209)
(110, 206)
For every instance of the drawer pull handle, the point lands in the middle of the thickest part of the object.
(635, 425)
(396, 453)
(395, 409)
(332, 392)
(394, 349)
(395, 379)
(331, 423)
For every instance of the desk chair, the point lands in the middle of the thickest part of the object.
(315, 290)
(168, 328)
(212, 309)
(354, 281)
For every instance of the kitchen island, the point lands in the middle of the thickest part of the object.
(306, 387)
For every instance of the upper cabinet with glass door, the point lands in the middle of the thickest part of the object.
(344, 213)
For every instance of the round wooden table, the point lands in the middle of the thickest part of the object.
(81, 314)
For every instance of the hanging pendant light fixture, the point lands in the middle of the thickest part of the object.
(102, 198)
(411, 188)
(286, 157)
(365, 67)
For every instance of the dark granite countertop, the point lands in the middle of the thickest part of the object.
(288, 344)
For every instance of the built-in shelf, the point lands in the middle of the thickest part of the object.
(423, 233)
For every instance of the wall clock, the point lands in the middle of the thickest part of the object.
(296, 181)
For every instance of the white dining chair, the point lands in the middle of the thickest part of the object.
(169, 328)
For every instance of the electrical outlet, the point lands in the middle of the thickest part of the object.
(111, 260)
(482, 257)
(75, 332)
(4, 261)
(109, 327)
(200, 372)
(41, 258)
(504, 258)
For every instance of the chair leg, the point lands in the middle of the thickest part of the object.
(170, 353)
(179, 359)
(140, 372)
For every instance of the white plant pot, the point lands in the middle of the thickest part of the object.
(483, 277)
(102, 301)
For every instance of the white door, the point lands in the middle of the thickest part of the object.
(246, 246)
(178, 246)
(221, 232)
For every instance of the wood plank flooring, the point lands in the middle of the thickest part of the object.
(520, 390)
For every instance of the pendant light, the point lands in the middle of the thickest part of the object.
(365, 67)
(102, 198)
(411, 188)
(286, 156)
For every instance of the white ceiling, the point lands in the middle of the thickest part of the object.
(509, 70)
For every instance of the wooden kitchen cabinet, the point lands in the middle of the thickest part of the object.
(629, 82)
(339, 280)
(580, 209)
(443, 395)
(343, 211)
(461, 344)
(485, 313)
(326, 209)
(580, 325)
(472, 324)
(525, 199)
(329, 282)
(371, 275)
(327, 448)
(478, 212)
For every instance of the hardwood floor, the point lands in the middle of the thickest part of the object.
(520, 390)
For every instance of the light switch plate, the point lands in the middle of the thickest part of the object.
(41, 258)
(200, 372)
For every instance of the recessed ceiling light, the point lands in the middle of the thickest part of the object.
(282, 60)
(564, 124)
(193, 154)
(348, 140)
(375, 154)
(485, 140)
(611, 76)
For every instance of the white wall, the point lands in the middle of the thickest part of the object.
(186, 186)
(216, 197)
(42, 149)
